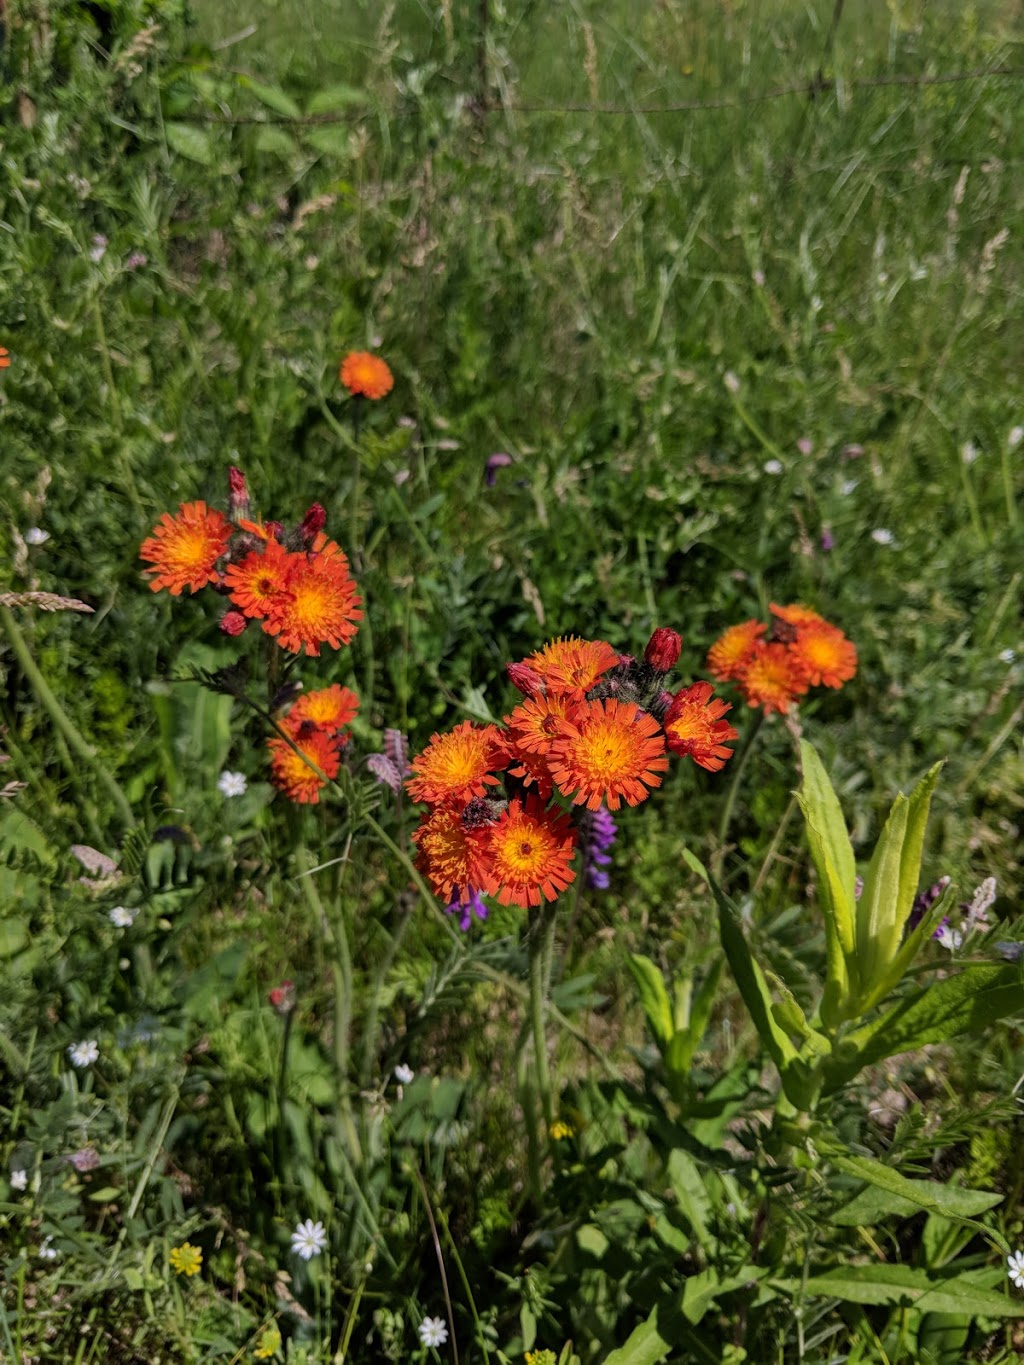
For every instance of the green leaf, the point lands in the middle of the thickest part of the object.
(691, 1196)
(191, 142)
(874, 1203)
(901, 1284)
(644, 1346)
(701, 1290)
(592, 1240)
(272, 96)
(653, 997)
(832, 853)
(336, 97)
(331, 139)
(948, 1200)
(968, 1002)
(273, 141)
(685, 1043)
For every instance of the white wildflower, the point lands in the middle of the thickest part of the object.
(35, 535)
(19, 1179)
(404, 1074)
(881, 536)
(121, 917)
(731, 381)
(433, 1331)
(847, 486)
(231, 784)
(969, 452)
(309, 1239)
(950, 939)
(84, 1053)
(1007, 656)
(982, 899)
(46, 1251)
(773, 466)
(1015, 437)
(1015, 1268)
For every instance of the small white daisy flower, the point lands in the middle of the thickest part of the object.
(433, 1331)
(1015, 1268)
(1015, 437)
(121, 917)
(309, 1239)
(773, 466)
(46, 1251)
(84, 1053)
(732, 383)
(847, 486)
(948, 938)
(404, 1074)
(35, 535)
(1007, 656)
(231, 784)
(969, 452)
(881, 536)
(19, 1180)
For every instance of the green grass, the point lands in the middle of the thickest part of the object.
(572, 286)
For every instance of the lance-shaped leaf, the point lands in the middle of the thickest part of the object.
(653, 998)
(833, 858)
(903, 1284)
(891, 884)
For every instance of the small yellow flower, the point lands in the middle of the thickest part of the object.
(269, 1343)
(540, 1358)
(557, 1132)
(186, 1259)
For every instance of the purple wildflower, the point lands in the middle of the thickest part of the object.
(597, 833)
(474, 906)
(828, 540)
(924, 902)
(86, 1159)
(135, 260)
(385, 771)
(396, 748)
(495, 462)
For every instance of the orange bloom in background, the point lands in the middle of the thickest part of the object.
(257, 584)
(534, 723)
(607, 753)
(728, 656)
(366, 375)
(528, 850)
(571, 664)
(458, 765)
(330, 708)
(450, 855)
(531, 768)
(289, 771)
(5, 358)
(827, 657)
(184, 549)
(694, 727)
(773, 678)
(796, 615)
(319, 605)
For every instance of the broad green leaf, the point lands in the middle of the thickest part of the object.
(882, 1284)
(272, 96)
(873, 1203)
(929, 1195)
(592, 1240)
(333, 139)
(192, 142)
(653, 997)
(691, 1196)
(832, 853)
(14, 935)
(788, 1015)
(274, 141)
(701, 1290)
(644, 1346)
(968, 1002)
(336, 97)
(752, 985)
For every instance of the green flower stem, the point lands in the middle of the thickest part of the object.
(730, 796)
(541, 948)
(75, 740)
(755, 428)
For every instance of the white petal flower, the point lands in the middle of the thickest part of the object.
(309, 1239)
(231, 784)
(404, 1074)
(46, 1251)
(948, 938)
(35, 535)
(881, 536)
(84, 1053)
(1015, 1268)
(433, 1331)
(773, 466)
(1015, 437)
(121, 917)
(1007, 656)
(847, 486)
(19, 1179)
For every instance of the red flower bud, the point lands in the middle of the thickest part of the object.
(523, 677)
(238, 494)
(663, 648)
(283, 997)
(312, 524)
(233, 623)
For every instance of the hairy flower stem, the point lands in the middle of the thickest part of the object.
(730, 797)
(541, 948)
(75, 740)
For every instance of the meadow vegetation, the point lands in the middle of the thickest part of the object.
(738, 345)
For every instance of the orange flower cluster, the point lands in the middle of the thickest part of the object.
(297, 584)
(594, 728)
(773, 667)
(316, 724)
(366, 375)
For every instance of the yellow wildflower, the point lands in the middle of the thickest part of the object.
(186, 1259)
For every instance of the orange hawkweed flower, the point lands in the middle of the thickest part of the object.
(185, 548)
(531, 768)
(366, 375)
(329, 708)
(826, 656)
(292, 774)
(608, 752)
(258, 582)
(528, 850)
(534, 723)
(572, 665)
(320, 604)
(694, 727)
(772, 678)
(458, 765)
(796, 615)
(730, 653)
(5, 358)
(450, 854)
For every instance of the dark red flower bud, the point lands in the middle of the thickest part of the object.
(283, 997)
(663, 648)
(238, 494)
(312, 524)
(523, 677)
(233, 623)
(274, 528)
